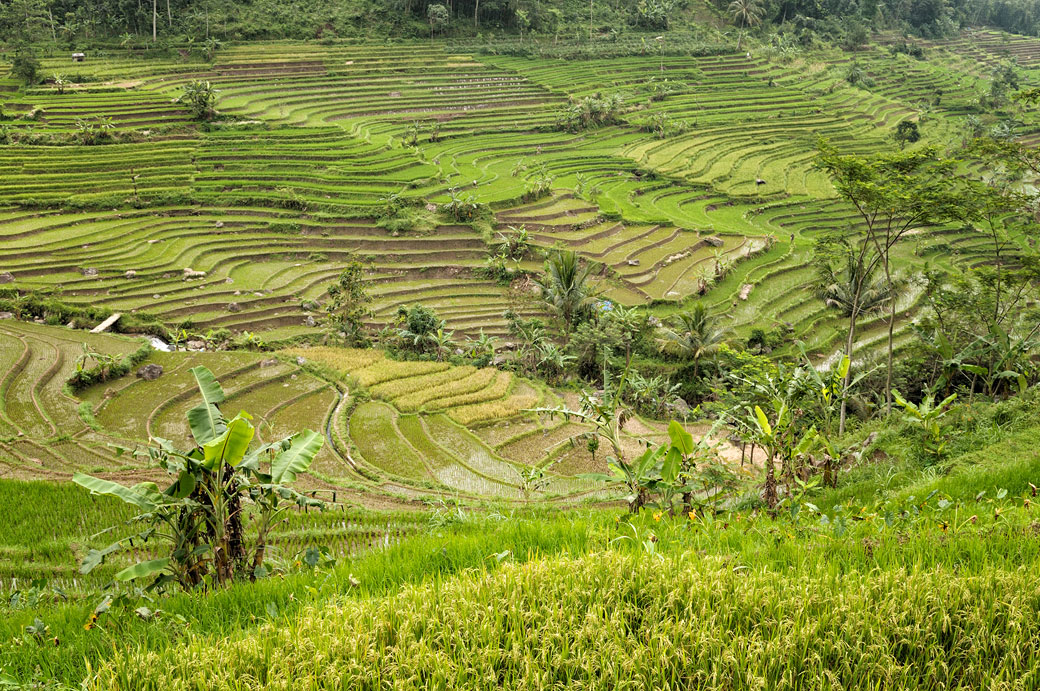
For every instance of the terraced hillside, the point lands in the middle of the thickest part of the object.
(395, 432)
(705, 186)
(271, 207)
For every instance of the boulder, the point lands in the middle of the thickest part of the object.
(745, 291)
(714, 241)
(196, 345)
(269, 362)
(89, 272)
(6, 277)
(309, 321)
(234, 307)
(6, 315)
(190, 274)
(130, 274)
(150, 372)
(680, 407)
(300, 360)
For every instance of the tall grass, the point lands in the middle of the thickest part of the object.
(611, 620)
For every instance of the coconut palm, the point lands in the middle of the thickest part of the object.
(696, 335)
(565, 285)
(746, 12)
(852, 293)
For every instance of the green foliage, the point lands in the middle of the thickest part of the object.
(590, 112)
(347, 307)
(200, 97)
(200, 516)
(566, 286)
(104, 367)
(928, 415)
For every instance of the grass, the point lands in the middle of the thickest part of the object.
(913, 591)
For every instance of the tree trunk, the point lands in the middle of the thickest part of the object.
(258, 558)
(155, 19)
(891, 329)
(769, 495)
(848, 374)
(476, 15)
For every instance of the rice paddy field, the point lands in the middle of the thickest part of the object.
(273, 202)
(453, 569)
(923, 582)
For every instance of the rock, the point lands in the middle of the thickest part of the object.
(745, 290)
(70, 325)
(431, 207)
(234, 307)
(269, 362)
(714, 241)
(681, 407)
(196, 345)
(89, 272)
(150, 372)
(130, 274)
(219, 224)
(633, 262)
(156, 296)
(190, 274)
(6, 315)
(229, 280)
(6, 277)
(309, 321)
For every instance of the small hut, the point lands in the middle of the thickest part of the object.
(79, 57)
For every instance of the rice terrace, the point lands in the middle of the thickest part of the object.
(408, 344)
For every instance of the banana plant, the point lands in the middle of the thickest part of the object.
(928, 416)
(1008, 361)
(200, 516)
(831, 388)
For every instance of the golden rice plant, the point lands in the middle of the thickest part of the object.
(400, 387)
(344, 360)
(387, 370)
(476, 381)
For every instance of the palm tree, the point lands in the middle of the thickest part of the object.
(565, 285)
(851, 292)
(696, 335)
(746, 12)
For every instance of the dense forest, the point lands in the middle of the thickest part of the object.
(76, 22)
